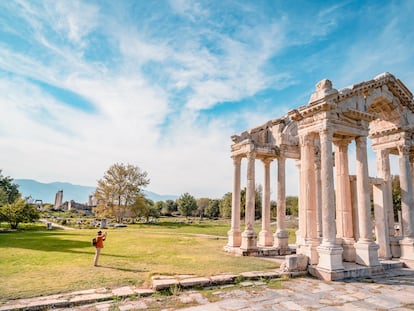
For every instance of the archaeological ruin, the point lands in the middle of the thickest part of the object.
(337, 230)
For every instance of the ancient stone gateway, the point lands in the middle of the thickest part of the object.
(336, 229)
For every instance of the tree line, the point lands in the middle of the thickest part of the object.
(120, 196)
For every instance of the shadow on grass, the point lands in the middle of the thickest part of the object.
(120, 269)
(47, 242)
(179, 224)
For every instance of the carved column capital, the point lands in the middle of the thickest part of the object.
(251, 155)
(325, 135)
(236, 160)
(266, 161)
(343, 142)
(306, 140)
(382, 152)
(361, 141)
(403, 150)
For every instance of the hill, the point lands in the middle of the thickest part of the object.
(47, 191)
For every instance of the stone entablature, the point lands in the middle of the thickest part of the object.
(335, 222)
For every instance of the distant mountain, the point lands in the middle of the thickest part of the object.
(47, 191)
(160, 197)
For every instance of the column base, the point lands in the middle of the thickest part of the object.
(407, 249)
(310, 250)
(299, 239)
(265, 238)
(248, 240)
(281, 242)
(366, 253)
(330, 258)
(349, 254)
(234, 238)
(281, 239)
(395, 247)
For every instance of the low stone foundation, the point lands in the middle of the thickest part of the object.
(354, 271)
(261, 251)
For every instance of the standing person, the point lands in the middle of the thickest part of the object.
(99, 245)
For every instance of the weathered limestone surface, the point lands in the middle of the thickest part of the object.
(335, 222)
(295, 263)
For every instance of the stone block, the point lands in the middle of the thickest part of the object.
(160, 284)
(223, 279)
(295, 263)
(195, 281)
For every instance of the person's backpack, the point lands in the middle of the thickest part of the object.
(94, 241)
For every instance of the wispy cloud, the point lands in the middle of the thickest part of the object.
(163, 84)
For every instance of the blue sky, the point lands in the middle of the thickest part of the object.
(164, 84)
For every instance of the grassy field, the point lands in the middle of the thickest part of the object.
(34, 261)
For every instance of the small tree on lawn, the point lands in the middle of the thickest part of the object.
(213, 209)
(18, 211)
(119, 190)
(225, 205)
(187, 204)
(13, 209)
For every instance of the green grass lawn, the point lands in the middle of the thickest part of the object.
(36, 262)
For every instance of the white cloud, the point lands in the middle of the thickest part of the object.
(189, 9)
(152, 101)
(75, 18)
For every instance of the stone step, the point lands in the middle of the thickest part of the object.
(392, 264)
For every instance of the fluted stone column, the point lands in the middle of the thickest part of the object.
(383, 205)
(330, 253)
(234, 235)
(308, 192)
(407, 208)
(281, 236)
(318, 193)
(354, 203)
(265, 235)
(366, 249)
(406, 193)
(300, 234)
(344, 224)
(249, 236)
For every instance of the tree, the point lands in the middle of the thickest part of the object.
(18, 211)
(225, 205)
(213, 209)
(186, 204)
(273, 209)
(257, 202)
(13, 209)
(396, 195)
(202, 204)
(9, 191)
(139, 208)
(292, 206)
(119, 190)
(161, 207)
(172, 206)
(144, 208)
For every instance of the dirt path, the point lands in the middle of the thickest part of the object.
(56, 225)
